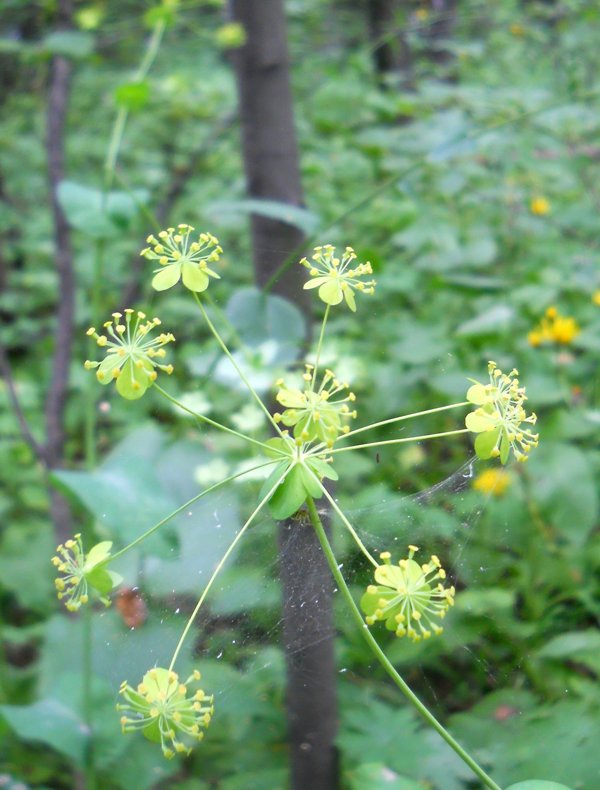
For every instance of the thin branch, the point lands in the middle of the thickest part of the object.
(175, 190)
(58, 98)
(26, 433)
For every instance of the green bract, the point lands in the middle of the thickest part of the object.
(408, 596)
(304, 471)
(181, 258)
(131, 355)
(80, 572)
(334, 278)
(316, 414)
(161, 709)
(500, 416)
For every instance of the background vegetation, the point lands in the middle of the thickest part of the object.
(467, 172)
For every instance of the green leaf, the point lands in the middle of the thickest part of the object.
(581, 647)
(25, 570)
(133, 96)
(538, 784)
(495, 319)
(377, 776)
(564, 485)
(259, 317)
(51, 722)
(299, 217)
(74, 44)
(96, 215)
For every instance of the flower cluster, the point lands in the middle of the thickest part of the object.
(337, 278)
(540, 206)
(80, 572)
(554, 328)
(409, 597)
(499, 417)
(317, 415)
(161, 709)
(181, 258)
(131, 354)
(492, 481)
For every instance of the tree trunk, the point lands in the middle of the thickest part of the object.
(272, 172)
(390, 48)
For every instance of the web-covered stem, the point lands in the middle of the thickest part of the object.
(345, 521)
(319, 348)
(403, 417)
(220, 565)
(214, 424)
(383, 659)
(186, 505)
(398, 441)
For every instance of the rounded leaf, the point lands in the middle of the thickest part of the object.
(193, 277)
(166, 278)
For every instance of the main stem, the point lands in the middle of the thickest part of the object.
(319, 348)
(383, 659)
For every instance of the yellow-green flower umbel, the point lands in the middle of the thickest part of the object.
(408, 597)
(336, 278)
(500, 419)
(81, 572)
(161, 709)
(317, 415)
(132, 356)
(180, 256)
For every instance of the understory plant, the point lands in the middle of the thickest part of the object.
(314, 423)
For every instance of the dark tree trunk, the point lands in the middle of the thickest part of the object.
(272, 172)
(58, 99)
(390, 48)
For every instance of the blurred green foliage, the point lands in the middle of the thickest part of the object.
(437, 186)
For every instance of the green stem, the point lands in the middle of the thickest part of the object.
(229, 356)
(222, 562)
(403, 417)
(319, 347)
(347, 523)
(383, 659)
(187, 504)
(214, 424)
(86, 698)
(399, 441)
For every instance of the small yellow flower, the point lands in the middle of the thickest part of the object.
(539, 206)
(132, 355)
(161, 709)
(82, 573)
(516, 29)
(316, 414)
(408, 596)
(500, 420)
(181, 258)
(596, 298)
(492, 481)
(554, 328)
(231, 36)
(422, 14)
(338, 278)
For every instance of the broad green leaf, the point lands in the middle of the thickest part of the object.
(496, 318)
(74, 44)
(564, 485)
(259, 317)
(377, 776)
(50, 722)
(538, 784)
(299, 217)
(96, 215)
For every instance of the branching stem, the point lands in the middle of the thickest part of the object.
(219, 567)
(186, 505)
